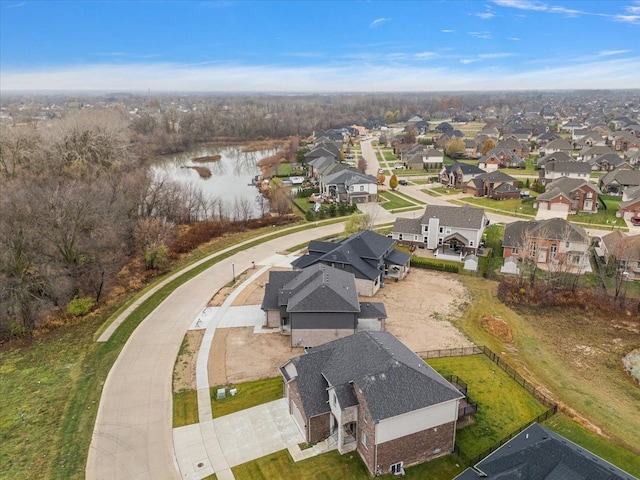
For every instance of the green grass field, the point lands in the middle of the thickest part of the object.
(185, 408)
(332, 465)
(503, 405)
(249, 395)
(509, 206)
(394, 201)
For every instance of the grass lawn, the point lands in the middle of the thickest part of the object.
(442, 191)
(503, 405)
(576, 355)
(510, 206)
(185, 408)
(249, 395)
(283, 169)
(393, 201)
(389, 156)
(408, 197)
(332, 465)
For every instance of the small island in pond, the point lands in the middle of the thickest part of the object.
(208, 158)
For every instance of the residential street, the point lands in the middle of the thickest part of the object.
(133, 435)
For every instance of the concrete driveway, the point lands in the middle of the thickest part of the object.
(255, 432)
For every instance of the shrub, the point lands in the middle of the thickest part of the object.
(429, 264)
(80, 306)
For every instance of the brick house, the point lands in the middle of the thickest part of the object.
(615, 182)
(458, 174)
(318, 304)
(369, 393)
(496, 185)
(553, 241)
(500, 158)
(569, 195)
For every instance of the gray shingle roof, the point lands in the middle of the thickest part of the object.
(565, 186)
(407, 225)
(552, 229)
(623, 177)
(392, 378)
(362, 251)
(321, 288)
(538, 453)
(372, 310)
(568, 167)
(459, 217)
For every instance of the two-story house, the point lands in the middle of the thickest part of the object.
(350, 186)
(570, 195)
(554, 170)
(554, 241)
(496, 185)
(318, 304)
(446, 229)
(371, 257)
(369, 393)
(456, 175)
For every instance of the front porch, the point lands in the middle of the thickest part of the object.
(343, 436)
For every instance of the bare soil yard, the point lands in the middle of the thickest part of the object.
(419, 307)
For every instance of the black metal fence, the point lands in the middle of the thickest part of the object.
(552, 407)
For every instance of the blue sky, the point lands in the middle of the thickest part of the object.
(330, 46)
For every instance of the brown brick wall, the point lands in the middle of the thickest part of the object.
(319, 427)
(367, 453)
(294, 396)
(417, 447)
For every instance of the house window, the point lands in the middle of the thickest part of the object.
(589, 194)
(514, 251)
(440, 241)
(441, 229)
(363, 438)
(396, 468)
(426, 228)
(399, 236)
(567, 244)
(554, 250)
(365, 417)
(351, 188)
(362, 188)
(448, 231)
(532, 250)
(335, 400)
(471, 243)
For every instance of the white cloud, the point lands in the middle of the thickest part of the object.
(608, 53)
(476, 75)
(485, 15)
(514, 39)
(447, 31)
(482, 35)
(425, 55)
(495, 55)
(633, 19)
(378, 21)
(522, 5)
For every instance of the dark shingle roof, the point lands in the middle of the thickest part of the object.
(321, 288)
(407, 225)
(460, 217)
(277, 280)
(372, 310)
(538, 453)
(552, 229)
(392, 378)
(361, 251)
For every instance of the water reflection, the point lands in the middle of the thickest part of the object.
(230, 183)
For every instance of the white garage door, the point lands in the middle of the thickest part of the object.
(559, 207)
(297, 416)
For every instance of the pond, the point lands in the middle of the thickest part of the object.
(231, 174)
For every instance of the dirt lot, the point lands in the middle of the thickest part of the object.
(419, 309)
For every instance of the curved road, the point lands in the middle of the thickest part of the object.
(133, 436)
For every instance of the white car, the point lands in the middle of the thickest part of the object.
(399, 166)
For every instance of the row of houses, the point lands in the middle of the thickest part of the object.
(338, 180)
(361, 389)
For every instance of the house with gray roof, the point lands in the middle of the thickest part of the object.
(371, 257)
(446, 230)
(608, 162)
(496, 185)
(318, 304)
(554, 242)
(569, 195)
(614, 183)
(369, 393)
(500, 157)
(538, 453)
(555, 169)
(349, 186)
(458, 174)
(557, 145)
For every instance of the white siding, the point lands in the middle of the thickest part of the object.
(416, 421)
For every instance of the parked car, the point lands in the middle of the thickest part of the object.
(399, 166)
(635, 221)
(402, 181)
